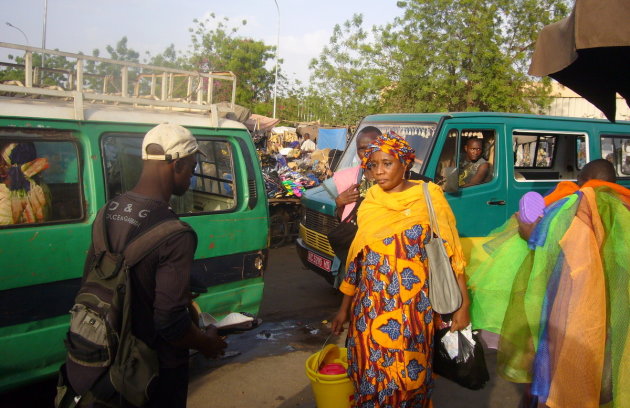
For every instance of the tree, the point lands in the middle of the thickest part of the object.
(349, 72)
(217, 47)
(470, 55)
(57, 77)
(170, 58)
(458, 55)
(107, 77)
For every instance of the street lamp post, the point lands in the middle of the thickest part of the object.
(18, 28)
(44, 31)
(275, 84)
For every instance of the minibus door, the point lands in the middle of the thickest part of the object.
(481, 207)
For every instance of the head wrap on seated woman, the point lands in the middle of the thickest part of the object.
(393, 144)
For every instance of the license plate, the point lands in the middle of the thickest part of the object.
(319, 261)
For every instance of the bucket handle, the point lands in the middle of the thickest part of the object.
(319, 355)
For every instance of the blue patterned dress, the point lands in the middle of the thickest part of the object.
(390, 338)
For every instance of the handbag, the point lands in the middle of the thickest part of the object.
(468, 368)
(444, 292)
(340, 238)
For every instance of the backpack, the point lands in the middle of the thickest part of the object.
(100, 327)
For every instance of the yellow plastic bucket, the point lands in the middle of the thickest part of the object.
(331, 391)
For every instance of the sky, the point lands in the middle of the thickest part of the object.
(152, 25)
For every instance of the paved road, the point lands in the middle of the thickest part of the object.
(268, 370)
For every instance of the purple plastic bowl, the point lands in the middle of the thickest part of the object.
(531, 207)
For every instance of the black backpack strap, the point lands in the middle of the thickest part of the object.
(141, 245)
(99, 233)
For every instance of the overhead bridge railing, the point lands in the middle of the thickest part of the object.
(150, 85)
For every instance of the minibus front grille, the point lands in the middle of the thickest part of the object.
(315, 240)
(319, 222)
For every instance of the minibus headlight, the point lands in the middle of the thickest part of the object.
(258, 263)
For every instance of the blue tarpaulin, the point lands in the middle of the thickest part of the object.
(332, 138)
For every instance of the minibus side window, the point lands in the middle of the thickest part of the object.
(548, 155)
(211, 188)
(455, 170)
(486, 139)
(580, 152)
(39, 182)
(616, 149)
(534, 151)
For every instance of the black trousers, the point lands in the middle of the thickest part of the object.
(171, 391)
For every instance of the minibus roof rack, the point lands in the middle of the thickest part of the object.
(126, 83)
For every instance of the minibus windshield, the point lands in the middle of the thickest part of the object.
(418, 134)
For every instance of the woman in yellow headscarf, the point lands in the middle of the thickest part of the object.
(390, 336)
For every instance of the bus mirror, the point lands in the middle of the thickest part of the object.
(452, 180)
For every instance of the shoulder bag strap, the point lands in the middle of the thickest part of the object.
(432, 218)
(354, 211)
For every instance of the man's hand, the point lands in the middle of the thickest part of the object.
(212, 345)
(525, 230)
(349, 196)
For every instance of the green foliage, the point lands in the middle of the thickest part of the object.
(103, 77)
(170, 58)
(298, 103)
(217, 47)
(56, 77)
(350, 73)
(440, 55)
(470, 55)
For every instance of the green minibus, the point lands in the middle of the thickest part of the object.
(72, 151)
(524, 152)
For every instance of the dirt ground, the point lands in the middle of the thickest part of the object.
(270, 369)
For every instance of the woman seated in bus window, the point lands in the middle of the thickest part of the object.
(473, 169)
(23, 198)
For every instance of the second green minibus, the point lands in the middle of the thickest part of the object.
(524, 152)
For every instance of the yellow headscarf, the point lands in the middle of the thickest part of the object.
(382, 215)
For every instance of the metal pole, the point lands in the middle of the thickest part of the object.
(44, 33)
(18, 28)
(275, 84)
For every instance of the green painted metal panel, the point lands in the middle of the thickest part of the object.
(244, 296)
(31, 350)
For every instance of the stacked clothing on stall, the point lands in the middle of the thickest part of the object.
(560, 301)
(286, 179)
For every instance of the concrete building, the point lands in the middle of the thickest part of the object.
(568, 103)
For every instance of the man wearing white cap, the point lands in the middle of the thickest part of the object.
(160, 282)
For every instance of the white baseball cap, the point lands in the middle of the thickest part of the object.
(175, 140)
